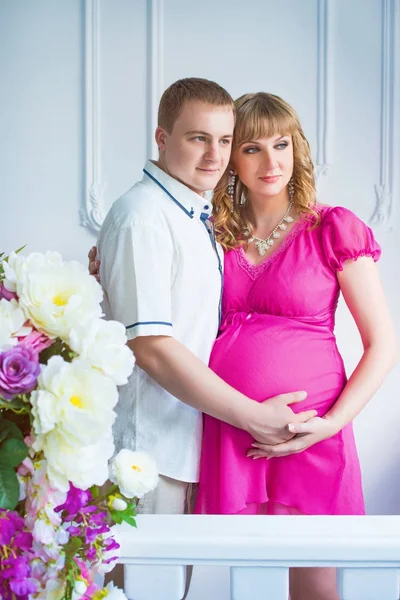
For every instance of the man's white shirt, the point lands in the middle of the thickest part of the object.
(162, 275)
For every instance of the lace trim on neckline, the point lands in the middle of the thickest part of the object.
(256, 270)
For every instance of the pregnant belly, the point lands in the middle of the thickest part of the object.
(265, 355)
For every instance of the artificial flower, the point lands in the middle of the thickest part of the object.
(134, 472)
(103, 345)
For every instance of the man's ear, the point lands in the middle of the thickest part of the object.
(161, 138)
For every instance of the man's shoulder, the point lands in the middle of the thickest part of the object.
(141, 202)
(140, 205)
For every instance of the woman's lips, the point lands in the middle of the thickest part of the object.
(270, 179)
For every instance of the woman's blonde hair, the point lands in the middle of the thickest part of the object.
(259, 116)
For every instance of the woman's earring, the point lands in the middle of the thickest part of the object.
(291, 190)
(242, 199)
(231, 184)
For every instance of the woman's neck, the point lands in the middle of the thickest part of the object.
(265, 212)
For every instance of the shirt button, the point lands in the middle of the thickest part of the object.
(206, 207)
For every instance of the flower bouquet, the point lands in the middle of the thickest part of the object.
(60, 365)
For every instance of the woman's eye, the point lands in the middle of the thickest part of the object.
(282, 146)
(250, 150)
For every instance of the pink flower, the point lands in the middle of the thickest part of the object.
(36, 340)
(5, 293)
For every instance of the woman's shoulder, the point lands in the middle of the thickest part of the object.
(344, 235)
(328, 213)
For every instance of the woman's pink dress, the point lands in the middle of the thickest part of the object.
(277, 336)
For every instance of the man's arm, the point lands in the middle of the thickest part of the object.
(182, 374)
(136, 277)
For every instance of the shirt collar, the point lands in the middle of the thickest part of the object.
(191, 203)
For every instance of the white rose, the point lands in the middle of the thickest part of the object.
(44, 411)
(55, 295)
(84, 466)
(135, 473)
(75, 399)
(12, 321)
(103, 345)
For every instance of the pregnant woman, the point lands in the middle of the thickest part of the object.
(287, 258)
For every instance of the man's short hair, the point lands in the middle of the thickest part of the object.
(190, 89)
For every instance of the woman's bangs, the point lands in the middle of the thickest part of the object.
(262, 122)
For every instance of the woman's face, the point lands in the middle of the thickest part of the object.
(265, 166)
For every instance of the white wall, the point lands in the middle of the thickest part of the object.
(80, 81)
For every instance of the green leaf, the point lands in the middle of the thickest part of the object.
(74, 544)
(116, 516)
(58, 348)
(130, 520)
(8, 429)
(94, 490)
(9, 487)
(13, 452)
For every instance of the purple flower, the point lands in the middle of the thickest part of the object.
(15, 555)
(10, 524)
(75, 502)
(111, 544)
(19, 370)
(23, 587)
(91, 533)
(91, 553)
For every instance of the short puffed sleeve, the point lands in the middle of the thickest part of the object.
(345, 236)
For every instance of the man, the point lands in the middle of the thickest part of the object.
(161, 271)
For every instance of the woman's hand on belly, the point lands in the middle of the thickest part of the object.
(269, 421)
(306, 435)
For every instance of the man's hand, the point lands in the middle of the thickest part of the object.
(270, 422)
(94, 265)
(305, 435)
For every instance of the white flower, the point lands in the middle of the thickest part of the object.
(135, 473)
(83, 466)
(79, 590)
(55, 295)
(103, 345)
(76, 400)
(43, 531)
(13, 268)
(118, 504)
(114, 593)
(55, 590)
(12, 321)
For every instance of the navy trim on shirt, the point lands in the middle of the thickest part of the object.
(148, 323)
(185, 210)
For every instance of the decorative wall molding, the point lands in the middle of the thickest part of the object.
(91, 210)
(387, 188)
(155, 68)
(325, 98)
